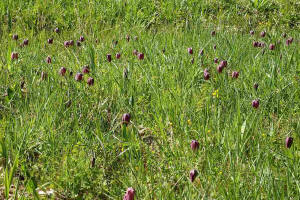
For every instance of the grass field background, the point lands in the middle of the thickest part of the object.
(66, 139)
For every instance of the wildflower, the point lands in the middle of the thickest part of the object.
(288, 142)
(194, 145)
(255, 103)
(216, 93)
(126, 118)
(193, 174)
(129, 195)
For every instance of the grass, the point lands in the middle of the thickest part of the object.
(65, 136)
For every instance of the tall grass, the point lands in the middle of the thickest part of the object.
(62, 135)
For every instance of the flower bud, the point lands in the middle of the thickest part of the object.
(193, 174)
(126, 118)
(288, 142)
(255, 103)
(129, 195)
(194, 145)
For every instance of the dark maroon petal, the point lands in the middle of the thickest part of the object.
(126, 118)
(129, 195)
(193, 175)
(81, 39)
(235, 74)
(78, 76)
(62, 71)
(85, 70)
(108, 56)
(194, 145)
(141, 56)
(90, 81)
(272, 46)
(288, 142)
(255, 103)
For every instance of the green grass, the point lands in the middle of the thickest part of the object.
(52, 129)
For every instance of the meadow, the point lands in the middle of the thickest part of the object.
(149, 99)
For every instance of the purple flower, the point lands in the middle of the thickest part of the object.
(135, 52)
(81, 39)
(50, 41)
(289, 41)
(118, 55)
(14, 55)
(216, 60)
(255, 103)
(15, 37)
(194, 145)
(78, 77)
(141, 56)
(190, 50)
(235, 74)
(25, 42)
(220, 68)
(272, 46)
(288, 142)
(108, 56)
(66, 43)
(62, 71)
(206, 74)
(90, 81)
(126, 118)
(223, 63)
(262, 34)
(56, 30)
(193, 174)
(255, 44)
(48, 60)
(129, 195)
(251, 32)
(85, 70)
(71, 42)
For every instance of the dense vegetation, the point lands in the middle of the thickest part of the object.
(66, 138)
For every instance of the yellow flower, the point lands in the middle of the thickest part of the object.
(208, 131)
(189, 122)
(216, 93)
